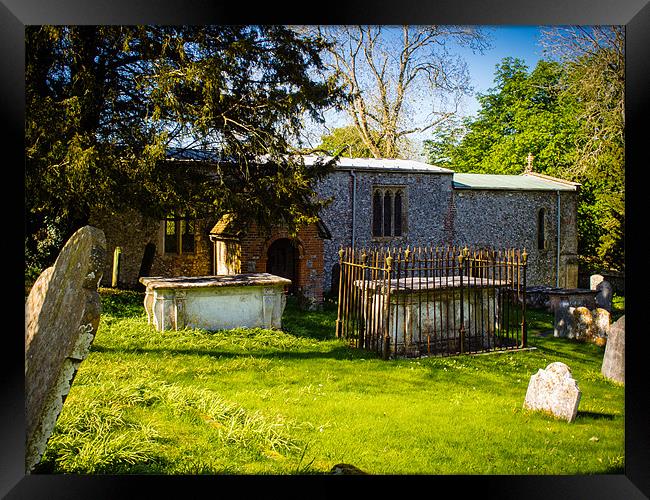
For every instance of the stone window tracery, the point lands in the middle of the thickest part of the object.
(388, 214)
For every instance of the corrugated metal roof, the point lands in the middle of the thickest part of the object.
(381, 164)
(370, 164)
(524, 182)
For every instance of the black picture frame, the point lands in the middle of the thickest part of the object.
(634, 14)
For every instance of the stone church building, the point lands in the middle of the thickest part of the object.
(375, 202)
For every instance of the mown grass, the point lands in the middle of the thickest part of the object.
(299, 401)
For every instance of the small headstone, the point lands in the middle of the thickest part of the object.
(61, 318)
(595, 280)
(614, 360)
(554, 391)
(563, 326)
(582, 327)
(605, 295)
(601, 319)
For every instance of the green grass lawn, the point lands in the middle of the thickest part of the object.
(300, 401)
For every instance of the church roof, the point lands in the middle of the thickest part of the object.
(227, 228)
(343, 163)
(381, 164)
(524, 182)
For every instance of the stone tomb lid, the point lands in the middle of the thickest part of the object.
(572, 291)
(428, 284)
(249, 279)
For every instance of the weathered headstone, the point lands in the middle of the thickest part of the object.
(614, 360)
(554, 391)
(582, 324)
(61, 317)
(605, 295)
(601, 322)
(595, 280)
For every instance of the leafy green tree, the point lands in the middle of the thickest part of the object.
(595, 60)
(344, 141)
(566, 113)
(104, 104)
(524, 113)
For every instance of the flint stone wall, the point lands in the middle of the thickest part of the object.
(435, 213)
(554, 391)
(508, 219)
(132, 232)
(61, 317)
(426, 203)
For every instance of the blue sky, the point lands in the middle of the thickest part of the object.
(507, 41)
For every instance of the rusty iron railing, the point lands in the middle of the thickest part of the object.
(432, 301)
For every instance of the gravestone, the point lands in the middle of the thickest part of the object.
(61, 317)
(601, 322)
(614, 360)
(554, 391)
(605, 295)
(588, 325)
(562, 301)
(582, 324)
(595, 280)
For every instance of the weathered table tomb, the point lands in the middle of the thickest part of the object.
(255, 300)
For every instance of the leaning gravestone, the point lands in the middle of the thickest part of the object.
(61, 317)
(554, 391)
(614, 360)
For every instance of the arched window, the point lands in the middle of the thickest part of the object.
(541, 229)
(377, 212)
(398, 214)
(388, 211)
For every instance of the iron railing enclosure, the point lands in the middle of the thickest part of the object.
(432, 301)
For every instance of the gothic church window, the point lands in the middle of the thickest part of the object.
(388, 217)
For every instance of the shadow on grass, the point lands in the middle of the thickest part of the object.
(122, 303)
(594, 415)
(341, 353)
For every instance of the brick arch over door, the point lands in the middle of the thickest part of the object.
(255, 244)
(284, 256)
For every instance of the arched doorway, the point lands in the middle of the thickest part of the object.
(282, 260)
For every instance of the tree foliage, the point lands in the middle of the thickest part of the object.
(104, 104)
(399, 82)
(523, 113)
(595, 60)
(345, 141)
(568, 113)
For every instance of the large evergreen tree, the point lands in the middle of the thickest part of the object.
(104, 104)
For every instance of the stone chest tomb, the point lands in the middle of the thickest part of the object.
(255, 300)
